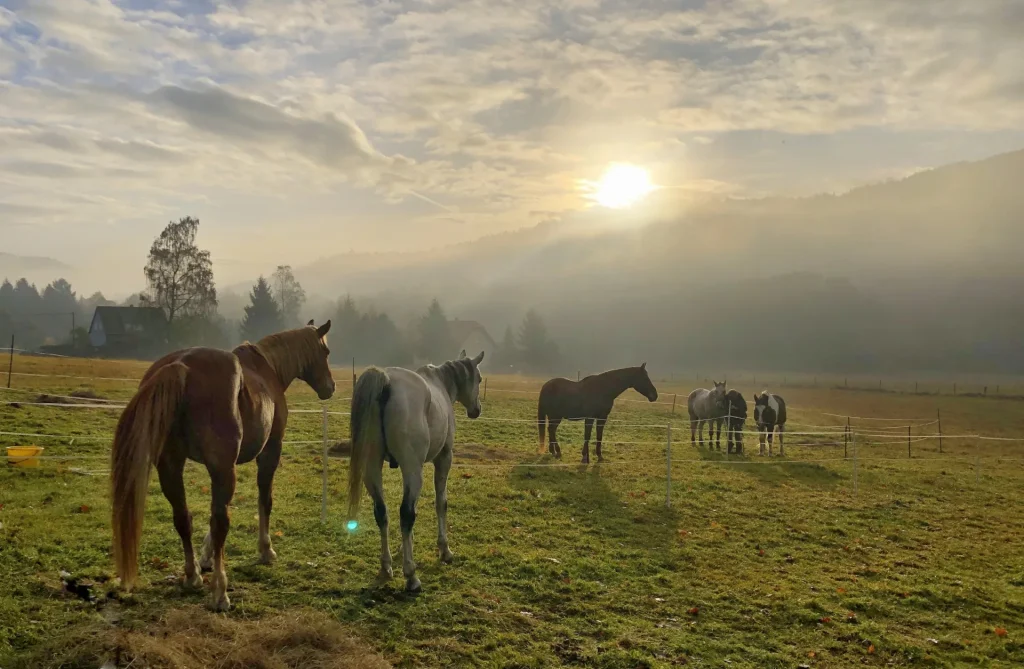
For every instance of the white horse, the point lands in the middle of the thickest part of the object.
(408, 419)
(707, 406)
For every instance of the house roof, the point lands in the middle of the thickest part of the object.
(123, 320)
(460, 331)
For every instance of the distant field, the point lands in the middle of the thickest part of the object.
(811, 559)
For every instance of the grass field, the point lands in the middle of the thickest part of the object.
(910, 561)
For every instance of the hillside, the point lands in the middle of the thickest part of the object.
(822, 282)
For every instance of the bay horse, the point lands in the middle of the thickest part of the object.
(736, 416)
(408, 419)
(707, 406)
(589, 400)
(219, 408)
(769, 413)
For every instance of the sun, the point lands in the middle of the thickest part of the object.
(622, 185)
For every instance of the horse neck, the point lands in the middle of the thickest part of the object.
(445, 374)
(617, 381)
(283, 359)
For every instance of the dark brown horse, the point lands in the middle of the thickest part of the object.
(219, 408)
(590, 400)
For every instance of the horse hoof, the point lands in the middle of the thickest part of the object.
(268, 556)
(195, 583)
(385, 575)
(585, 461)
(447, 556)
(221, 604)
(600, 458)
(413, 585)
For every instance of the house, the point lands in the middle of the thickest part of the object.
(471, 337)
(128, 330)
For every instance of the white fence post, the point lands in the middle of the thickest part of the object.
(323, 475)
(668, 465)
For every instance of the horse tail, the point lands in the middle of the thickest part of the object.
(369, 396)
(138, 441)
(541, 423)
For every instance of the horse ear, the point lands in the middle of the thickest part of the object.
(322, 330)
(462, 354)
(643, 366)
(478, 359)
(310, 322)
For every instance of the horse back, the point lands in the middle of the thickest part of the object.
(564, 398)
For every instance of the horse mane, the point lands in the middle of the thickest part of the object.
(289, 352)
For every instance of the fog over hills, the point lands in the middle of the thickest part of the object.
(919, 273)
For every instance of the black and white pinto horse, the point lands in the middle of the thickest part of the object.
(769, 413)
(707, 406)
(736, 416)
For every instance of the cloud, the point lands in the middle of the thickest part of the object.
(394, 114)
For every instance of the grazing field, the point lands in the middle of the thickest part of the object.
(892, 559)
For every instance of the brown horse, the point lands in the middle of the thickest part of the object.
(218, 408)
(590, 400)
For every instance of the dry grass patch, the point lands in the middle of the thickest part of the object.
(193, 638)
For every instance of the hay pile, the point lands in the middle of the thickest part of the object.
(194, 638)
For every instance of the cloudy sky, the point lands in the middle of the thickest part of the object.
(300, 129)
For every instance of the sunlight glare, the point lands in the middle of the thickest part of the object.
(621, 186)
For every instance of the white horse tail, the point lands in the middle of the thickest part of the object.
(369, 396)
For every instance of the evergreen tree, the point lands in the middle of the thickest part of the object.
(435, 337)
(508, 352)
(345, 334)
(262, 315)
(538, 352)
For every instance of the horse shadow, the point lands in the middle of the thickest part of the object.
(585, 493)
(773, 471)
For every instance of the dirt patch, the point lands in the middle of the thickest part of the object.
(193, 638)
(342, 449)
(482, 453)
(74, 397)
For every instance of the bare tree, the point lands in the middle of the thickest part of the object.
(180, 275)
(290, 295)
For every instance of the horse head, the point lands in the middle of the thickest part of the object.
(468, 384)
(642, 384)
(316, 370)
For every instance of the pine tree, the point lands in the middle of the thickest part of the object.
(538, 352)
(262, 315)
(435, 337)
(508, 352)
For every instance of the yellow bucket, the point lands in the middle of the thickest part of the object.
(23, 456)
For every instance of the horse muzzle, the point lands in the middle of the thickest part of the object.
(653, 397)
(326, 393)
(473, 413)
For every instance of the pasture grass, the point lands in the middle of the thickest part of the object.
(754, 563)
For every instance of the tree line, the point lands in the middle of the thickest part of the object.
(180, 281)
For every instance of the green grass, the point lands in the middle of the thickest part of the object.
(759, 563)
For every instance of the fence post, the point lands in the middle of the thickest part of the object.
(977, 466)
(846, 436)
(577, 375)
(853, 438)
(938, 416)
(673, 404)
(908, 442)
(10, 362)
(323, 473)
(668, 465)
(353, 373)
(728, 430)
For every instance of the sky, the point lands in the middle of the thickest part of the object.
(297, 130)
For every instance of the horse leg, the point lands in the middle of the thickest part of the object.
(222, 481)
(541, 422)
(266, 463)
(717, 422)
(782, 430)
(588, 425)
(412, 483)
(442, 465)
(171, 468)
(600, 436)
(373, 480)
(700, 432)
(553, 439)
(771, 436)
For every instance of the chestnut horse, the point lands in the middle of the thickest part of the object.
(219, 408)
(589, 400)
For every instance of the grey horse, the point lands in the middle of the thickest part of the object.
(707, 406)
